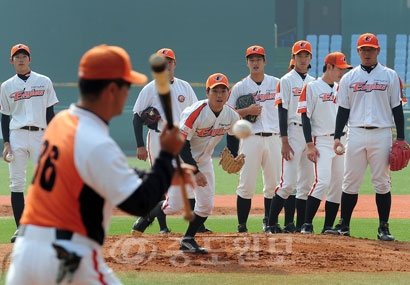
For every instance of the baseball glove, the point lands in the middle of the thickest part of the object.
(245, 101)
(229, 163)
(399, 155)
(150, 116)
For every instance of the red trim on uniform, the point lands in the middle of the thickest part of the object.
(192, 118)
(278, 101)
(281, 176)
(95, 263)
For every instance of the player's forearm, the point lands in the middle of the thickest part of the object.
(399, 121)
(137, 123)
(5, 127)
(283, 120)
(307, 128)
(187, 157)
(341, 121)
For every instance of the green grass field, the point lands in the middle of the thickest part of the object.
(364, 228)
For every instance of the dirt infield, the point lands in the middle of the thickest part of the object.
(258, 252)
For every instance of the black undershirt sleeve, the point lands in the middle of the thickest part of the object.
(154, 184)
(5, 127)
(187, 157)
(307, 128)
(283, 120)
(232, 143)
(399, 121)
(49, 114)
(137, 123)
(341, 121)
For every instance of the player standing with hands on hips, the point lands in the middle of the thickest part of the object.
(318, 110)
(369, 97)
(82, 174)
(27, 105)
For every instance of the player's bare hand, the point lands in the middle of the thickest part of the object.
(201, 179)
(142, 153)
(287, 151)
(254, 109)
(338, 147)
(171, 140)
(6, 150)
(188, 176)
(312, 152)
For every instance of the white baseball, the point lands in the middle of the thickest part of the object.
(9, 157)
(339, 149)
(242, 129)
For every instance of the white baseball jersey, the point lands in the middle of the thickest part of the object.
(370, 97)
(264, 95)
(182, 96)
(27, 101)
(317, 100)
(291, 85)
(204, 130)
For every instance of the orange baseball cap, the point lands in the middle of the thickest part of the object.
(337, 59)
(255, 50)
(217, 79)
(167, 52)
(301, 46)
(19, 47)
(109, 62)
(368, 40)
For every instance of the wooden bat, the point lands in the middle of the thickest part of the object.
(159, 69)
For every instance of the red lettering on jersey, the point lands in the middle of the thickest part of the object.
(363, 86)
(21, 95)
(327, 97)
(211, 132)
(264, 97)
(296, 91)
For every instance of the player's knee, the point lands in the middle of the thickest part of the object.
(244, 194)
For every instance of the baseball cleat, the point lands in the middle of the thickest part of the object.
(325, 229)
(203, 229)
(189, 245)
(242, 228)
(384, 233)
(275, 229)
(140, 226)
(339, 229)
(165, 230)
(265, 224)
(307, 228)
(289, 228)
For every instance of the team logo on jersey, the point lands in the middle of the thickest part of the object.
(181, 98)
(21, 95)
(264, 97)
(363, 86)
(296, 91)
(211, 132)
(327, 97)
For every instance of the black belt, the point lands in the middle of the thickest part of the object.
(60, 234)
(32, 128)
(262, 134)
(331, 135)
(296, 124)
(368, 128)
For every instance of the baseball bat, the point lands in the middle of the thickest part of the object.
(159, 69)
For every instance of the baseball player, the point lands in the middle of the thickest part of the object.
(182, 96)
(82, 175)
(369, 97)
(318, 110)
(297, 170)
(263, 146)
(27, 101)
